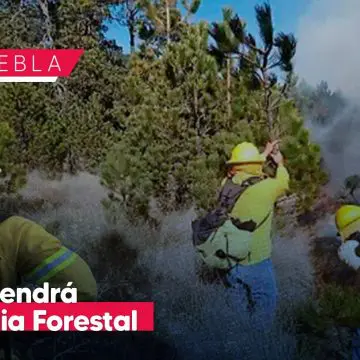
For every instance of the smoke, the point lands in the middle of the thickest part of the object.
(326, 47)
(339, 143)
(194, 320)
(327, 52)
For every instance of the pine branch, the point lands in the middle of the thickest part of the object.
(257, 49)
(274, 65)
(265, 23)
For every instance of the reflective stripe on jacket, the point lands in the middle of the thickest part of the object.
(51, 266)
(27, 249)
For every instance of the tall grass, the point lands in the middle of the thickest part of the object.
(194, 319)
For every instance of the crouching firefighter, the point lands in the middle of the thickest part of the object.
(235, 237)
(347, 221)
(30, 255)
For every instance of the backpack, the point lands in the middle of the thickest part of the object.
(220, 240)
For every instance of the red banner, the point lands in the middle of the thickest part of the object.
(87, 316)
(28, 64)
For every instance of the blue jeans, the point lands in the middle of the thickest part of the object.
(253, 290)
(356, 345)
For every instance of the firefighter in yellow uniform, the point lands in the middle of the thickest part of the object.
(348, 225)
(254, 279)
(29, 253)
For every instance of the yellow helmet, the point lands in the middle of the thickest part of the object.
(347, 220)
(246, 153)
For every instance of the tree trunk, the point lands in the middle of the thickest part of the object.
(131, 28)
(228, 86)
(47, 39)
(267, 104)
(131, 20)
(167, 21)
(269, 115)
(197, 122)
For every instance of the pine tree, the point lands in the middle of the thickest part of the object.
(303, 158)
(67, 125)
(164, 22)
(229, 36)
(277, 52)
(172, 110)
(168, 113)
(130, 15)
(178, 134)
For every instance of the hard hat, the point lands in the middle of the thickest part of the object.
(246, 153)
(347, 220)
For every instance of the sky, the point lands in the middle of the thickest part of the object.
(286, 13)
(324, 30)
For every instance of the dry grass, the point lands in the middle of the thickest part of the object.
(194, 320)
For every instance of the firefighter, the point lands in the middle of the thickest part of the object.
(347, 221)
(255, 277)
(28, 253)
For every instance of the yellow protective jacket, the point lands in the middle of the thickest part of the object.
(255, 204)
(29, 252)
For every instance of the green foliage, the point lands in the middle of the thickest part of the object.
(12, 174)
(303, 158)
(191, 7)
(52, 134)
(164, 22)
(66, 126)
(172, 108)
(170, 113)
(324, 327)
(228, 35)
(336, 306)
(257, 62)
(178, 134)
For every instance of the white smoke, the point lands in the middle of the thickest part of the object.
(340, 145)
(327, 47)
(198, 320)
(327, 51)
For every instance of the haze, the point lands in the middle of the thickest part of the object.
(326, 48)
